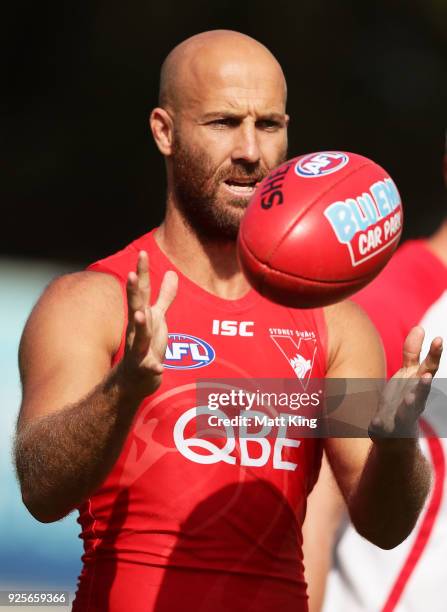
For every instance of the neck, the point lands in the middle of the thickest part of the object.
(212, 266)
(437, 243)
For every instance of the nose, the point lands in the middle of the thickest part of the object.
(246, 146)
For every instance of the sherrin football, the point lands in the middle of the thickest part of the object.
(319, 228)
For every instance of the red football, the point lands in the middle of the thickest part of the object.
(319, 228)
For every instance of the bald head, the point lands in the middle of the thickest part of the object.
(221, 126)
(210, 55)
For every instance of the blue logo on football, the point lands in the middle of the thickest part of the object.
(186, 352)
(321, 164)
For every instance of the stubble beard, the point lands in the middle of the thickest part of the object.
(196, 185)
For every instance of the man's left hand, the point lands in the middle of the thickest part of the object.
(404, 397)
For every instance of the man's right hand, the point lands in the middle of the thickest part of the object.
(147, 333)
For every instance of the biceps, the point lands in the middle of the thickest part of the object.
(64, 353)
(356, 348)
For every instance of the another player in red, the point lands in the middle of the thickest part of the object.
(411, 290)
(171, 520)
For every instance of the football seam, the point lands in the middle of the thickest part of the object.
(301, 213)
(268, 268)
(317, 281)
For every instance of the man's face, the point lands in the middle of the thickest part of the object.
(228, 136)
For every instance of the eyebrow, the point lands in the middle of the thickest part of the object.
(234, 115)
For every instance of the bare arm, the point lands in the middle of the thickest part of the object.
(385, 481)
(76, 411)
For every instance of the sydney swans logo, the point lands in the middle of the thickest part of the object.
(299, 348)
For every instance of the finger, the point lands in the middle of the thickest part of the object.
(168, 291)
(412, 347)
(134, 301)
(410, 392)
(383, 421)
(431, 362)
(389, 402)
(143, 276)
(142, 338)
(417, 397)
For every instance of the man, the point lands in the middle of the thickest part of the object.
(412, 576)
(170, 520)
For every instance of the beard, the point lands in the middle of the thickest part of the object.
(213, 217)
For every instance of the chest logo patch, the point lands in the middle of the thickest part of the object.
(185, 352)
(298, 350)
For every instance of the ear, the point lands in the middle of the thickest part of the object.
(162, 130)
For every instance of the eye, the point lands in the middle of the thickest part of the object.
(225, 122)
(268, 124)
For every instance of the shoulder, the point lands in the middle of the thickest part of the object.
(83, 303)
(354, 345)
(347, 317)
(93, 291)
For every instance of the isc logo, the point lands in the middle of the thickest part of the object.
(232, 328)
(186, 352)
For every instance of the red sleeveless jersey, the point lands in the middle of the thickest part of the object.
(183, 523)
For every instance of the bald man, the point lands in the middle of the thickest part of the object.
(110, 359)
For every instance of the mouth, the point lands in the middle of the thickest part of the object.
(241, 187)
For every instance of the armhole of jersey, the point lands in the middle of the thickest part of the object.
(98, 267)
(321, 322)
(323, 333)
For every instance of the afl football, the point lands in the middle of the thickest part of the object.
(319, 228)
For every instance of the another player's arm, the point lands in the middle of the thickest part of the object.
(76, 410)
(385, 481)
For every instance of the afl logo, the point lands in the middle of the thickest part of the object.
(321, 164)
(186, 352)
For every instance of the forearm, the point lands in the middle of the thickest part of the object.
(391, 492)
(63, 457)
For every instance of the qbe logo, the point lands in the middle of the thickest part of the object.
(185, 352)
(237, 441)
(321, 164)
